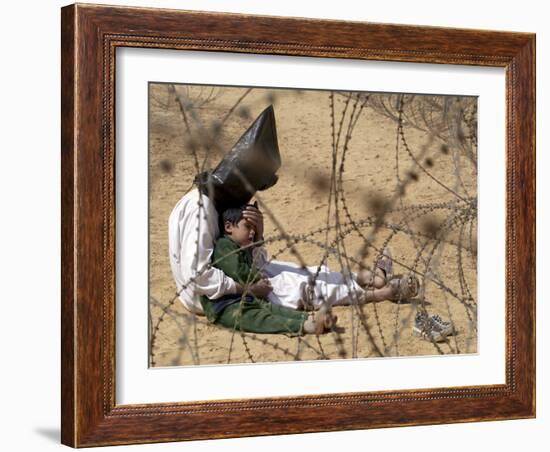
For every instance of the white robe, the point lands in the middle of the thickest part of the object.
(191, 243)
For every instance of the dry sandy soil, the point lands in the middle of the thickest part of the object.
(299, 202)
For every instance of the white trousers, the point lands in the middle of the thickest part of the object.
(290, 285)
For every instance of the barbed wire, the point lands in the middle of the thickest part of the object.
(449, 122)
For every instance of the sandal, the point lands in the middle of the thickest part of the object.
(385, 263)
(404, 287)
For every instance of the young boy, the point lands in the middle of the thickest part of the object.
(247, 312)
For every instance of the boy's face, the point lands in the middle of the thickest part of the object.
(243, 232)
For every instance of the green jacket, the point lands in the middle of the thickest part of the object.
(236, 263)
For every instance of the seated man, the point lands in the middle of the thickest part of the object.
(193, 224)
(246, 312)
(251, 165)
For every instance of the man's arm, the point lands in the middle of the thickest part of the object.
(253, 215)
(191, 244)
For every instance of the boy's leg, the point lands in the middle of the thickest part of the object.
(323, 317)
(285, 311)
(258, 317)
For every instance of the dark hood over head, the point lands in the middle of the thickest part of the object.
(250, 165)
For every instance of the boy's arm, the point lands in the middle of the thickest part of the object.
(226, 258)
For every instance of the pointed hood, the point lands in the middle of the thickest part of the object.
(250, 165)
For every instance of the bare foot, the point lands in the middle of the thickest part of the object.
(320, 320)
(366, 278)
(399, 288)
(384, 293)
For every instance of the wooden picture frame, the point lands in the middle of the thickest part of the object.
(90, 36)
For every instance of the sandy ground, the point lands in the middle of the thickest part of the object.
(300, 202)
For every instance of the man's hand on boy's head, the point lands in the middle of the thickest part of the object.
(256, 218)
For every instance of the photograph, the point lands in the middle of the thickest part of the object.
(292, 224)
(281, 225)
(275, 226)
